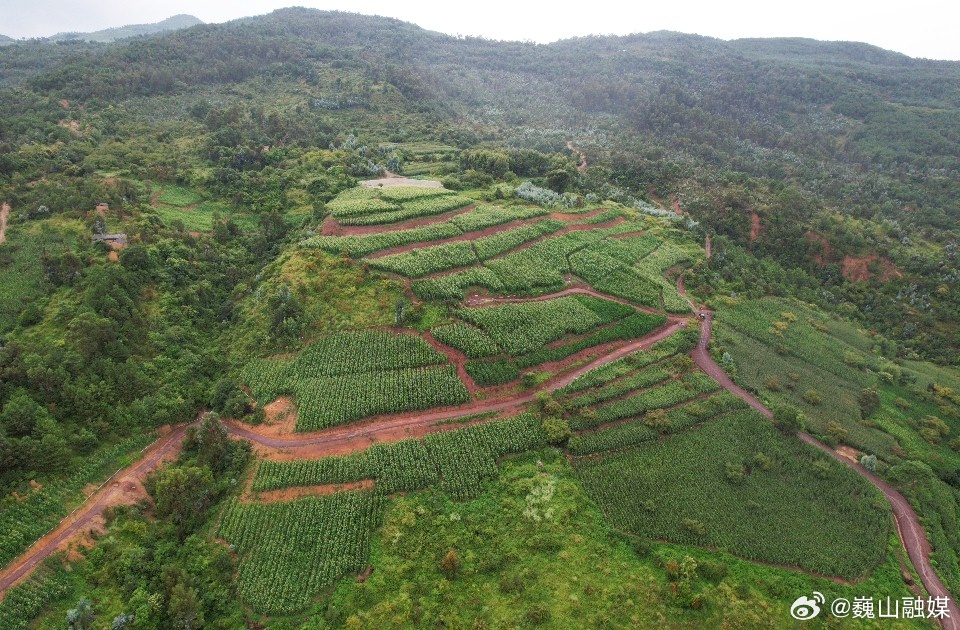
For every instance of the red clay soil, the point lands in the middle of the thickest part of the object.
(573, 216)
(676, 205)
(456, 357)
(4, 213)
(361, 435)
(126, 487)
(755, 227)
(908, 524)
(858, 269)
(289, 494)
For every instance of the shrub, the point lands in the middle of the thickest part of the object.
(812, 397)
(557, 430)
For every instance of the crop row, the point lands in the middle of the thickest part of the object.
(325, 402)
(369, 243)
(496, 244)
(521, 327)
(635, 431)
(339, 354)
(741, 486)
(672, 393)
(470, 340)
(677, 343)
(631, 327)
(423, 261)
(491, 372)
(467, 455)
(638, 380)
(403, 194)
(488, 216)
(24, 520)
(410, 210)
(291, 551)
(23, 603)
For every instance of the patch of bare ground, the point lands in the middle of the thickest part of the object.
(848, 452)
(675, 204)
(582, 166)
(4, 215)
(289, 494)
(755, 226)
(858, 269)
(573, 216)
(392, 179)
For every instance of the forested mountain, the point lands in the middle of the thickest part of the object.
(834, 146)
(183, 231)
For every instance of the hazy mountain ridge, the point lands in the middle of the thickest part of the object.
(107, 35)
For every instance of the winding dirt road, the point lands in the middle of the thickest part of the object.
(358, 436)
(910, 530)
(74, 526)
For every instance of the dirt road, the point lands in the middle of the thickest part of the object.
(582, 166)
(908, 524)
(76, 524)
(356, 436)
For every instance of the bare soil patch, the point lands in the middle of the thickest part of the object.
(857, 269)
(289, 494)
(126, 488)
(4, 214)
(397, 180)
(675, 204)
(848, 452)
(755, 226)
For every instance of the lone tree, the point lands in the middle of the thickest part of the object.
(788, 419)
(869, 401)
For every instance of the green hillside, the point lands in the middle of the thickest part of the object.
(438, 371)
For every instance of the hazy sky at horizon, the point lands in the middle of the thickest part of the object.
(922, 28)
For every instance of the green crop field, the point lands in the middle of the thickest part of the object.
(178, 196)
(369, 206)
(523, 327)
(427, 260)
(739, 485)
(290, 551)
(348, 376)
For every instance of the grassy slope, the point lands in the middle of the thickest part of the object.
(535, 549)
